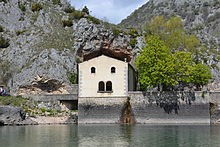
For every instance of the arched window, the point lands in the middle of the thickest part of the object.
(93, 70)
(101, 86)
(109, 86)
(113, 70)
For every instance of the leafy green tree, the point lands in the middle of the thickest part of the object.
(200, 75)
(155, 64)
(171, 57)
(159, 66)
(183, 65)
(172, 32)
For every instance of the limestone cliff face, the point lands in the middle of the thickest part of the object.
(42, 51)
(201, 17)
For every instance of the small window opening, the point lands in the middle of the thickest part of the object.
(109, 86)
(93, 70)
(113, 70)
(101, 86)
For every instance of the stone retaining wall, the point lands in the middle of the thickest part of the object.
(156, 107)
(149, 107)
(100, 110)
(170, 107)
(52, 97)
(215, 106)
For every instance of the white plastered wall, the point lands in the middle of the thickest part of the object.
(88, 82)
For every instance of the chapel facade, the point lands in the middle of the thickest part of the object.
(105, 76)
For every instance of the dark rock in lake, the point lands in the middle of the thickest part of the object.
(72, 119)
(1, 123)
(10, 115)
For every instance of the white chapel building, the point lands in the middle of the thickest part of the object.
(105, 76)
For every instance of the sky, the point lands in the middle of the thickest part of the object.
(112, 11)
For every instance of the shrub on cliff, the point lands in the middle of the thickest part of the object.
(22, 7)
(4, 43)
(67, 23)
(133, 32)
(19, 32)
(133, 42)
(76, 15)
(72, 77)
(116, 32)
(1, 29)
(85, 10)
(36, 7)
(69, 9)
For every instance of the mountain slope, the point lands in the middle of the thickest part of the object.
(201, 17)
(46, 40)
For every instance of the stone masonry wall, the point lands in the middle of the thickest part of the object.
(155, 107)
(179, 107)
(215, 106)
(52, 97)
(100, 110)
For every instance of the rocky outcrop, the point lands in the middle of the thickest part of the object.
(42, 52)
(92, 38)
(10, 115)
(39, 45)
(1, 122)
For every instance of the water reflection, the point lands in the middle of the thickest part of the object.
(110, 135)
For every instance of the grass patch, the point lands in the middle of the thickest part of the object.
(73, 111)
(31, 107)
(116, 32)
(93, 19)
(19, 32)
(76, 15)
(56, 2)
(13, 101)
(43, 110)
(133, 32)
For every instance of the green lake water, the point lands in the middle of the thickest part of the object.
(110, 136)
